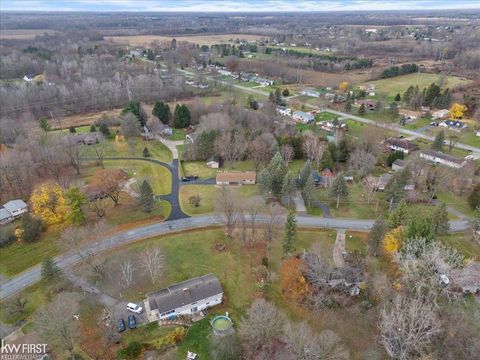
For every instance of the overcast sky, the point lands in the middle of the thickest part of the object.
(232, 6)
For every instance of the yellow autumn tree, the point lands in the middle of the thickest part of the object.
(48, 203)
(344, 86)
(458, 110)
(393, 240)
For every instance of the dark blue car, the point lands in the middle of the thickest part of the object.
(132, 323)
(121, 325)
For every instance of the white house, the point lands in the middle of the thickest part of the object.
(310, 92)
(444, 159)
(213, 164)
(185, 298)
(282, 110)
(12, 210)
(441, 114)
(303, 117)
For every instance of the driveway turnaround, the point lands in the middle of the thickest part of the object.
(32, 275)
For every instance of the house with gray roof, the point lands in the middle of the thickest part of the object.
(12, 210)
(185, 298)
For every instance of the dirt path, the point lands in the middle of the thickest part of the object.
(339, 249)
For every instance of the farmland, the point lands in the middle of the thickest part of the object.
(142, 40)
(18, 34)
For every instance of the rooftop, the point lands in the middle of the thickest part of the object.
(236, 176)
(402, 143)
(184, 293)
(443, 156)
(15, 205)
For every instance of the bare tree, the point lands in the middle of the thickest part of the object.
(130, 129)
(152, 261)
(308, 345)
(56, 324)
(407, 326)
(126, 268)
(99, 148)
(362, 162)
(371, 184)
(287, 152)
(314, 149)
(259, 152)
(254, 206)
(262, 323)
(75, 151)
(231, 146)
(273, 223)
(226, 206)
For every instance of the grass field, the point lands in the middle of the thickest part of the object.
(145, 40)
(399, 84)
(23, 34)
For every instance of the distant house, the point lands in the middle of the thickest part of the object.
(303, 117)
(310, 92)
(236, 178)
(403, 145)
(213, 164)
(453, 125)
(12, 210)
(440, 114)
(444, 159)
(330, 126)
(468, 278)
(399, 165)
(168, 131)
(262, 81)
(284, 111)
(190, 138)
(185, 298)
(369, 104)
(410, 115)
(384, 179)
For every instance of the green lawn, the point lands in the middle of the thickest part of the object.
(464, 243)
(467, 137)
(399, 84)
(198, 168)
(178, 134)
(146, 333)
(457, 202)
(424, 144)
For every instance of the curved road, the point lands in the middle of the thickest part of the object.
(32, 275)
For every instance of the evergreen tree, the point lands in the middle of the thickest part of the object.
(277, 170)
(104, 129)
(398, 97)
(440, 222)
(290, 234)
(289, 187)
(135, 108)
(31, 227)
(376, 235)
(338, 188)
(44, 125)
(474, 197)
(162, 111)
(395, 189)
(181, 117)
(362, 110)
(278, 97)
(348, 106)
(399, 216)
(76, 199)
(264, 180)
(420, 228)
(50, 269)
(327, 159)
(146, 197)
(72, 130)
(146, 152)
(305, 173)
(309, 191)
(93, 128)
(432, 93)
(409, 94)
(343, 150)
(439, 141)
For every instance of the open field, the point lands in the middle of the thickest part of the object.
(24, 33)
(399, 84)
(145, 40)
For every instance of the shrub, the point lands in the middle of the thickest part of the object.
(31, 228)
(194, 200)
(7, 235)
(72, 130)
(93, 128)
(146, 152)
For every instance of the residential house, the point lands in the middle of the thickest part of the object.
(283, 110)
(368, 103)
(444, 159)
(441, 114)
(12, 210)
(185, 298)
(324, 179)
(410, 115)
(168, 131)
(213, 164)
(303, 117)
(337, 99)
(310, 92)
(236, 178)
(331, 126)
(190, 138)
(403, 145)
(329, 96)
(468, 278)
(454, 125)
(398, 165)
(384, 179)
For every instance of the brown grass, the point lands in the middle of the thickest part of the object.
(24, 33)
(143, 40)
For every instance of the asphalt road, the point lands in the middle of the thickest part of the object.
(32, 275)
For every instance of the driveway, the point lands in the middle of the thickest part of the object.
(339, 249)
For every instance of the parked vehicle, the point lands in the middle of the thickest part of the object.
(185, 179)
(132, 323)
(121, 325)
(134, 308)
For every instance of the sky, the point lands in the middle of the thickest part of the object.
(232, 6)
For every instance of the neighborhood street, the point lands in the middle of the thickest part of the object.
(32, 275)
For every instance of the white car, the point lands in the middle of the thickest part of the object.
(134, 308)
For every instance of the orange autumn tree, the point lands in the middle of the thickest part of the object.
(294, 285)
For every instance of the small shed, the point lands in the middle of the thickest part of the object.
(213, 164)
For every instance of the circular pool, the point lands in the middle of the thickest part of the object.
(222, 325)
